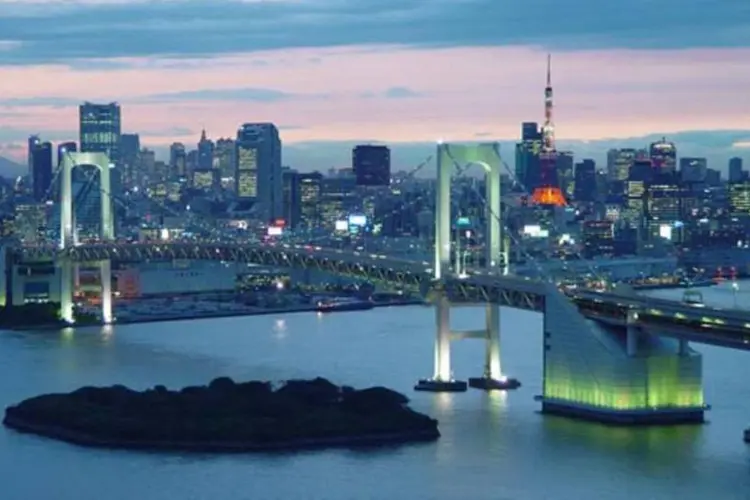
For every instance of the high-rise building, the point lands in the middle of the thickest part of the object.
(565, 174)
(527, 156)
(663, 156)
(735, 170)
(130, 149)
(205, 152)
(41, 170)
(693, 169)
(177, 160)
(310, 197)
(641, 174)
(739, 199)
(100, 132)
(619, 162)
(258, 168)
(290, 197)
(224, 158)
(372, 165)
(664, 205)
(585, 181)
(33, 142)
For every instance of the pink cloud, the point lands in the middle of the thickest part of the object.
(462, 92)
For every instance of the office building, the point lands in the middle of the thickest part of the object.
(258, 174)
(663, 156)
(527, 157)
(99, 126)
(41, 172)
(372, 165)
(693, 170)
(205, 152)
(585, 181)
(736, 174)
(619, 162)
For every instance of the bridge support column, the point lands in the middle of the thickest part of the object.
(631, 334)
(442, 380)
(105, 273)
(493, 378)
(66, 291)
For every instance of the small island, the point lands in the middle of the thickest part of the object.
(225, 416)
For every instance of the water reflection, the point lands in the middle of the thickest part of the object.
(280, 329)
(655, 446)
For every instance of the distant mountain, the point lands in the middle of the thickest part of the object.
(10, 168)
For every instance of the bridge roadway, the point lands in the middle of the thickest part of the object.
(669, 318)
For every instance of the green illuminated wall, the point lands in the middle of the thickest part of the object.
(588, 365)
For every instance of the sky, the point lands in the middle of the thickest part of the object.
(333, 73)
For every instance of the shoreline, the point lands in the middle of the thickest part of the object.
(84, 439)
(207, 315)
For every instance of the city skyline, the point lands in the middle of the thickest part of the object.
(329, 90)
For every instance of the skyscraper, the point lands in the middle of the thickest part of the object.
(619, 162)
(33, 142)
(130, 148)
(177, 160)
(663, 156)
(585, 181)
(735, 170)
(100, 129)
(372, 165)
(41, 155)
(258, 175)
(205, 153)
(527, 155)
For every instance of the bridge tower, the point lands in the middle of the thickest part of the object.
(486, 155)
(69, 238)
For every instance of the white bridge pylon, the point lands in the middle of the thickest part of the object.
(68, 236)
(449, 156)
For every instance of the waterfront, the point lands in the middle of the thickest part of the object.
(493, 446)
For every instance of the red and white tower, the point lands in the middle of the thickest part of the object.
(548, 192)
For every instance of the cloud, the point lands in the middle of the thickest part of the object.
(400, 93)
(64, 31)
(235, 94)
(49, 101)
(14, 135)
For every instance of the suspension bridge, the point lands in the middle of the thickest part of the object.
(612, 356)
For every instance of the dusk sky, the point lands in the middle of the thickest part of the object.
(331, 73)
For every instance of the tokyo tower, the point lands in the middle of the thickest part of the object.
(548, 192)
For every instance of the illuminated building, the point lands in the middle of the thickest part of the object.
(664, 206)
(548, 191)
(132, 171)
(310, 196)
(258, 168)
(640, 175)
(739, 199)
(598, 238)
(100, 129)
(204, 180)
(663, 156)
(339, 198)
(30, 221)
(371, 165)
(565, 173)
(619, 162)
(527, 156)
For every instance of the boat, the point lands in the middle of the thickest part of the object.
(343, 304)
(693, 298)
